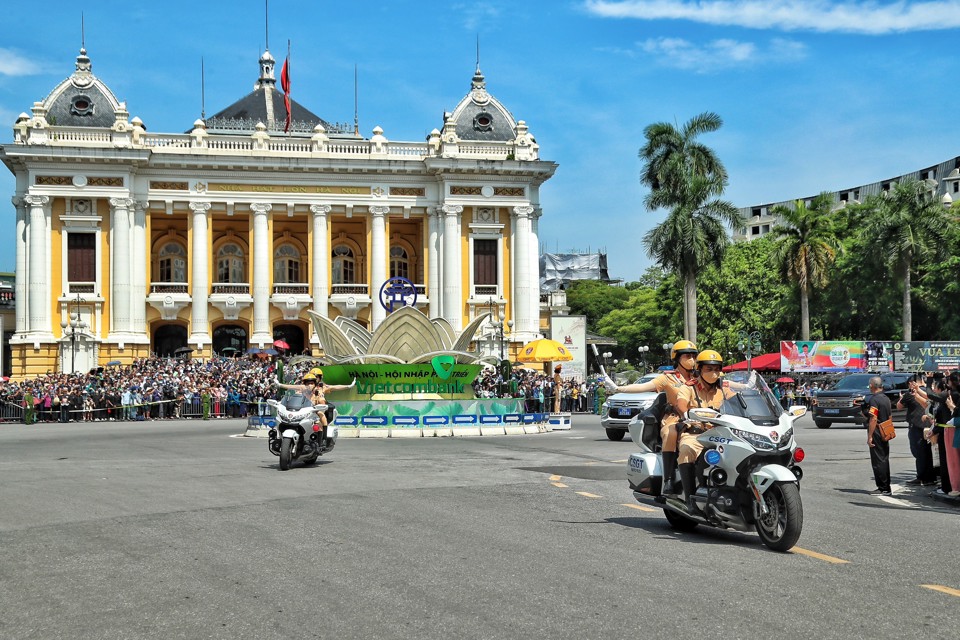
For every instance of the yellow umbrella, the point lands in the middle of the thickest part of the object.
(544, 350)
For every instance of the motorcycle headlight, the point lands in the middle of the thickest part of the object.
(756, 440)
(786, 438)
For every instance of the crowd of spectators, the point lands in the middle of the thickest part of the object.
(149, 389)
(538, 390)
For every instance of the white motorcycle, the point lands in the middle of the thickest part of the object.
(748, 474)
(290, 440)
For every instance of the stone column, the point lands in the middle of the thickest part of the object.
(452, 294)
(200, 289)
(262, 335)
(433, 260)
(522, 287)
(535, 267)
(120, 265)
(320, 261)
(378, 262)
(20, 326)
(139, 284)
(38, 319)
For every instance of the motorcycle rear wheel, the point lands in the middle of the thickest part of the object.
(780, 528)
(286, 453)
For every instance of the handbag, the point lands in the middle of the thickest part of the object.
(887, 432)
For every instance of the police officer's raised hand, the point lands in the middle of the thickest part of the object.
(610, 385)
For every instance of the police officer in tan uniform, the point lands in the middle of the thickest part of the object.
(708, 392)
(674, 384)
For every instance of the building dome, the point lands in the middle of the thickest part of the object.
(82, 100)
(481, 117)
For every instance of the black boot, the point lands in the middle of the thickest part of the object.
(669, 467)
(688, 477)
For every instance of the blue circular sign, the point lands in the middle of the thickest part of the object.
(396, 293)
(712, 457)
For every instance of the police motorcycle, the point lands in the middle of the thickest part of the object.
(299, 434)
(748, 475)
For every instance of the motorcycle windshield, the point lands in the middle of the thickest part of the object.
(294, 402)
(750, 398)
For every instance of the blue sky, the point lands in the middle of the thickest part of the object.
(814, 95)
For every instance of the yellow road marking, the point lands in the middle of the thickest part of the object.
(640, 507)
(555, 478)
(819, 556)
(942, 589)
(560, 485)
(588, 495)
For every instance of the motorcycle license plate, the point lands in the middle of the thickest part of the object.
(831, 411)
(623, 412)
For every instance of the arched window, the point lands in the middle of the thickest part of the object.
(399, 263)
(172, 266)
(286, 264)
(231, 267)
(344, 270)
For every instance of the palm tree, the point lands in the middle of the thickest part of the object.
(671, 154)
(692, 236)
(684, 177)
(806, 246)
(908, 226)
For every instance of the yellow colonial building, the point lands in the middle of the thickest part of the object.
(132, 243)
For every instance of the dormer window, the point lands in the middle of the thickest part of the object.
(81, 106)
(483, 121)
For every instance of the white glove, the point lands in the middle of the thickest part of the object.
(610, 385)
(353, 383)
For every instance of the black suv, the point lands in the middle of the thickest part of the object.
(843, 402)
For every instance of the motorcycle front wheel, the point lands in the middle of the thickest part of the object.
(286, 453)
(780, 528)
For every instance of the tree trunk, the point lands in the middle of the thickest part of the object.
(804, 314)
(907, 309)
(690, 306)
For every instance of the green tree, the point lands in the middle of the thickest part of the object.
(692, 236)
(595, 299)
(685, 177)
(806, 246)
(908, 227)
(640, 322)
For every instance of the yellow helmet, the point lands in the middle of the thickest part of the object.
(309, 377)
(317, 371)
(709, 356)
(681, 347)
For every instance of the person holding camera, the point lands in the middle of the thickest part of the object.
(915, 401)
(876, 408)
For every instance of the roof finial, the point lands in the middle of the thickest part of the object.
(356, 103)
(83, 35)
(478, 54)
(83, 62)
(266, 24)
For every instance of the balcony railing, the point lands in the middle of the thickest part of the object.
(350, 289)
(485, 291)
(295, 288)
(231, 288)
(169, 287)
(82, 287)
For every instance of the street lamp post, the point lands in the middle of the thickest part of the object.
(749, 343)
(666, 351)
(73, 328)
(643, 356)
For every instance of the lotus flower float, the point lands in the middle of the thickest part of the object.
(407, 336)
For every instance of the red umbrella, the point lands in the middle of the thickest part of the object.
(280, 344)
(786, 380)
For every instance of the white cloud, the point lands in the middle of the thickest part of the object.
(477, 14)
(852, 16)
(13, 64)
(719, 54)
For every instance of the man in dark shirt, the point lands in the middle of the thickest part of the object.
(877, 409)
(914, 400)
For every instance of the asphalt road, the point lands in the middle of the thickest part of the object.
(181, 530)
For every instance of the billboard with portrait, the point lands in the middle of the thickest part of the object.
(819, 356)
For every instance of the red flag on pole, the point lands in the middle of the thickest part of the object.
(285, 86)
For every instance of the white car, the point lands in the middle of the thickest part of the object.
(620, 408)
